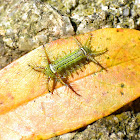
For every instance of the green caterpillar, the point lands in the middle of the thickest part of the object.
(58, 69)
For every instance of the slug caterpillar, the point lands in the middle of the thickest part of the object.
(59, 69)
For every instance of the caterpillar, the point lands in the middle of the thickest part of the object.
(58, 70)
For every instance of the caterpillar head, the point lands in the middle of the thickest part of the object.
(49, 72)
(88, 50)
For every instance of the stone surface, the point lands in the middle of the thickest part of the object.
(25, 25)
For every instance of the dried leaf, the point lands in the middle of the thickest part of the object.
(29, 112)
